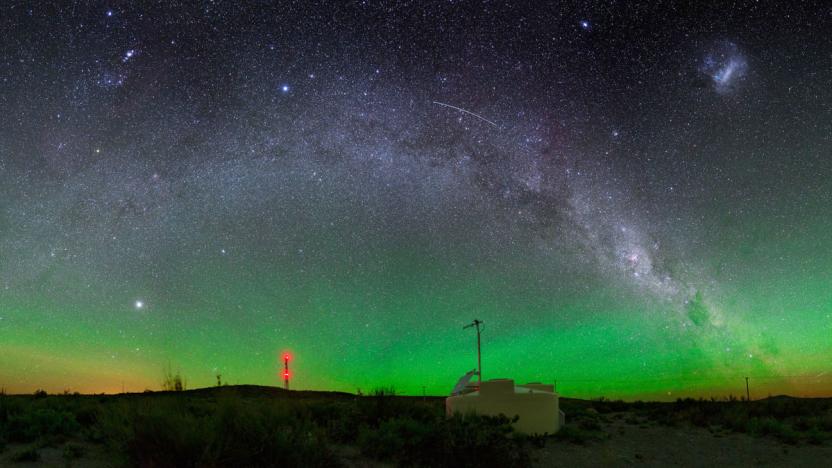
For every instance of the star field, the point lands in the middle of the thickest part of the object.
(635, 198)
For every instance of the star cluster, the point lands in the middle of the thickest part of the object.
(634, 198)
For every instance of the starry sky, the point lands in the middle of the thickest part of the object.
(635, 197)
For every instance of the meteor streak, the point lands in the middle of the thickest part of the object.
(467, 112)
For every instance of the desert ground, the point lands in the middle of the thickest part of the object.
(641, 442)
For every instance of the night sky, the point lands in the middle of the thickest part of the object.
(634, 197)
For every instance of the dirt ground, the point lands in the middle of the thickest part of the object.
(647, 444)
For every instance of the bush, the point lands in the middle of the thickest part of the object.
(395, 438)
(576, 435)
(476, 440)
(471, 440)
(26, 455)
(771, 427)
(379, 406)
(816, 437)
(603, 405)
(164, 433)
(73, 452)
(173, 382)
(41, 422)
(338, 419)
(825, 423)
(87, 415)
(587, 424)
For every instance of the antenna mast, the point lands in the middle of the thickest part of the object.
(286, 371)
(476, 323)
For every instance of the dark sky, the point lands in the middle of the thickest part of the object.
(640, 186)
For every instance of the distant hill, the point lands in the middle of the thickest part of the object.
(789, 397)
(263, 391)
(252, 391)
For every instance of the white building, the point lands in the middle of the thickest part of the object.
(536, 404)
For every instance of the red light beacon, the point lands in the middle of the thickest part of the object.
(286, 357)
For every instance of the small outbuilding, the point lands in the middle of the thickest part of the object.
(536, 405)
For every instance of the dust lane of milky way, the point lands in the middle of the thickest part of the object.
(635, 199)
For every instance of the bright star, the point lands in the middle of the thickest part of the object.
(285, 88)
(139, 304)
(109, 12)
(585, 25)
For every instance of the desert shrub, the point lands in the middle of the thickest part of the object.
(383, 392)
(576, 435)
(737, 422)
(26, 455)
(804, 424)
(402, 438)
(40, 422)
(632, 420)
(244, 436)
(8, 408)
(163, 437)
(173, 381)
(768, 426)
(87, 415)
(787, 434)
(825, 422)
(337, 419)
(72, 452)
(476, 440)
(589, 425)
(471, 440)
(816, 437)
(603, 405)
(164, 433)
(787, 419)
(380, 405)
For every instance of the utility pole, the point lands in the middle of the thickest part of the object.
(476, 323)
(747, 392)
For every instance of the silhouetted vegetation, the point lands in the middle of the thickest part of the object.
(260, 426)
(790, 420)
(173, 381)
(257, 426)
(26, 455)
(72, 452)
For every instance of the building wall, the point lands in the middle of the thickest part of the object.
(538, 410)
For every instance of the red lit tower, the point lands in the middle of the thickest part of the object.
(286, 371)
